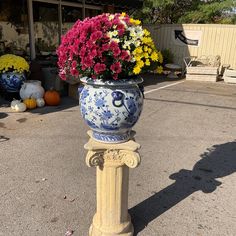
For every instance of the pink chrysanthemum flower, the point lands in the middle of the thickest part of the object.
(108, 46)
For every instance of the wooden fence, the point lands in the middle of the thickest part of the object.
(196, 40)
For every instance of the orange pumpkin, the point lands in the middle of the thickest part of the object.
(52, 98)
(30, 103)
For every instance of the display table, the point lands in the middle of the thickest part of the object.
(230, 76)
(203, 68)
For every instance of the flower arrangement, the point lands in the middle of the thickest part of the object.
(13, 63)
(108, 46)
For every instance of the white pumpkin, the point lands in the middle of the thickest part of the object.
(40, 102)
(20, 107)
(13, 103)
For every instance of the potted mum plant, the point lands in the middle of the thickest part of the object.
(13, 71)
(108, 52)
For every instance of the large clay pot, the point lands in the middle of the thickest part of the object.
(12, 81)
(31, 89)
(111, 108)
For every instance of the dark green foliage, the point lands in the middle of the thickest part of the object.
(187, 11)
(168, 56)
(220, 11)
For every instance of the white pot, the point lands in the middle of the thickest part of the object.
(31, 89)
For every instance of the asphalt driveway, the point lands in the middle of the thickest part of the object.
(185, 185)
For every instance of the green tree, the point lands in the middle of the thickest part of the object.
(187, 11)
(220, 11)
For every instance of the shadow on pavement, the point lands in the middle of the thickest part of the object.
(66, 102)
(153, 78)
(4, 102)
(3, 138)
(3, 115)
(217, 162)
(190, 103)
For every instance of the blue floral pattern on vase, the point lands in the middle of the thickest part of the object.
(11, 81)
(111, 110)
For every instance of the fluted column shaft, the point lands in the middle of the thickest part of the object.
(112, 162)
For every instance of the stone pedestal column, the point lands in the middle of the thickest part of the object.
(112, 162)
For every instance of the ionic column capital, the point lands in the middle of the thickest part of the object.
(108, 154)
(112, 157)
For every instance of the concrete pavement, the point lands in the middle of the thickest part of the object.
(185, 185)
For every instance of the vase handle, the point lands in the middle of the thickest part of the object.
(118, 98)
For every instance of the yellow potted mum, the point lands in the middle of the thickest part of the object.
(13, 71)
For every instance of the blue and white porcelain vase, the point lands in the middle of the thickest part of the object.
(12, 81)
(111, 108)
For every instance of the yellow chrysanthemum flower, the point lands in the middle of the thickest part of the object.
(123, 14)
(145, 48)
(159, 69)
(147, 40)
(137, 58)
(140, 64)
(132, 20)
(147, 62)
(160, 57)
(139, 50)
(146, 32)
(154, 56)
(146, 55)
(136, 70)
(135, 22)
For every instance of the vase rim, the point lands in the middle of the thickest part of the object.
(120, 82)
(32, 82)
(12, 72)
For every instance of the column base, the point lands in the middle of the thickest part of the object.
(124, 229)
